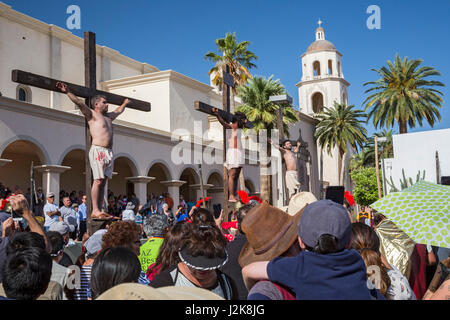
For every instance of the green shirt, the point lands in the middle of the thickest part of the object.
(149, 252)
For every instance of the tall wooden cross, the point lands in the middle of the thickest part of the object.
(228, 83)
(88, 91)
(281, 101)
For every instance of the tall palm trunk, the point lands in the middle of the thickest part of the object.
(265, 176)
(341, 166)
(403, 126)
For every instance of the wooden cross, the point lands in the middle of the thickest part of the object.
(228, 83)
(281, 100)
(88, 91)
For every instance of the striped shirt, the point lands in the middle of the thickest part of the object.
(84, 292)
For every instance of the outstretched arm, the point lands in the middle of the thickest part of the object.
(20, 205)
(297, 148)
(113, 115)
(85, 110)
(276, 146)
(215, 111)
(254, 272)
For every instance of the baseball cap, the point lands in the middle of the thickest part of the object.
(50, 194)
(59, 226)
(325, 217)
(94, 243)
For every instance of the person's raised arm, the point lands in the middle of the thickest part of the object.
(85, 110)
(20, 205)
(254, 272)
(297, 148)
(215, 111)
(118, 111)
(276, 146)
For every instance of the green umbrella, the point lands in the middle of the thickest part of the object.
(422, 211)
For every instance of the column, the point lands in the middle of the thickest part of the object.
(50, 178)
(197, 187)
(140, 186)
(173, 187)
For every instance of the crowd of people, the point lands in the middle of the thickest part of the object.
(314, 250)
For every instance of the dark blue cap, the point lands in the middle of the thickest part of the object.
(325, 217)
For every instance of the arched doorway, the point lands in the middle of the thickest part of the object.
(17, 174)
(119, 185)
(74, 179)
(161, 173)
(191, 177)
(249, 187)
(317, 102)
(216, 191)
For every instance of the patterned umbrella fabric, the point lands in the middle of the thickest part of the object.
(422, 211)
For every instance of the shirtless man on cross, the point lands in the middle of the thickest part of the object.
(288, 153)
(234, 156)
(100, 155)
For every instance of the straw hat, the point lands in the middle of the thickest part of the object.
(299, 201)
(136, 291)
(269, 231)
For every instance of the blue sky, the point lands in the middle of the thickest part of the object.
(177, 34)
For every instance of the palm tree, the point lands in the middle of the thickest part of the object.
(239, 60)
(262, 113)
(338, 127)
(234, 54)
(403, 95)
(366, 156)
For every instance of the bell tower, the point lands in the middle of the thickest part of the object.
(322, 84)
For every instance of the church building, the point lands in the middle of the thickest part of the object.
(46, 128)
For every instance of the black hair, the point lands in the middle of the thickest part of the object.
(57, 242)
(203, 216)
(241, 213)
(326, 244)
(206, 240)
(284, 142)
(27, 273)
(23, 240)
(113, 266)
(94, 99)
(240, 118)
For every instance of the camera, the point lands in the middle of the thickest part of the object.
(16, 216)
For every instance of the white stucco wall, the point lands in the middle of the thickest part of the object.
(416, 151)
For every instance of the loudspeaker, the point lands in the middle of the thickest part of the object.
(445, 180)
(335, 193)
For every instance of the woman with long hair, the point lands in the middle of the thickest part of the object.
(388, 280)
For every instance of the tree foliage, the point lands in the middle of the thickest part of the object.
(366, 189)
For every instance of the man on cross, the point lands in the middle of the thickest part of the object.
(234, 158)
(289, 156)
(100, 155)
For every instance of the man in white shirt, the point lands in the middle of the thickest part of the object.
(69, 216)
(128, 213)
(51, 212)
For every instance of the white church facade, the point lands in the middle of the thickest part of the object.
(45, 127)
